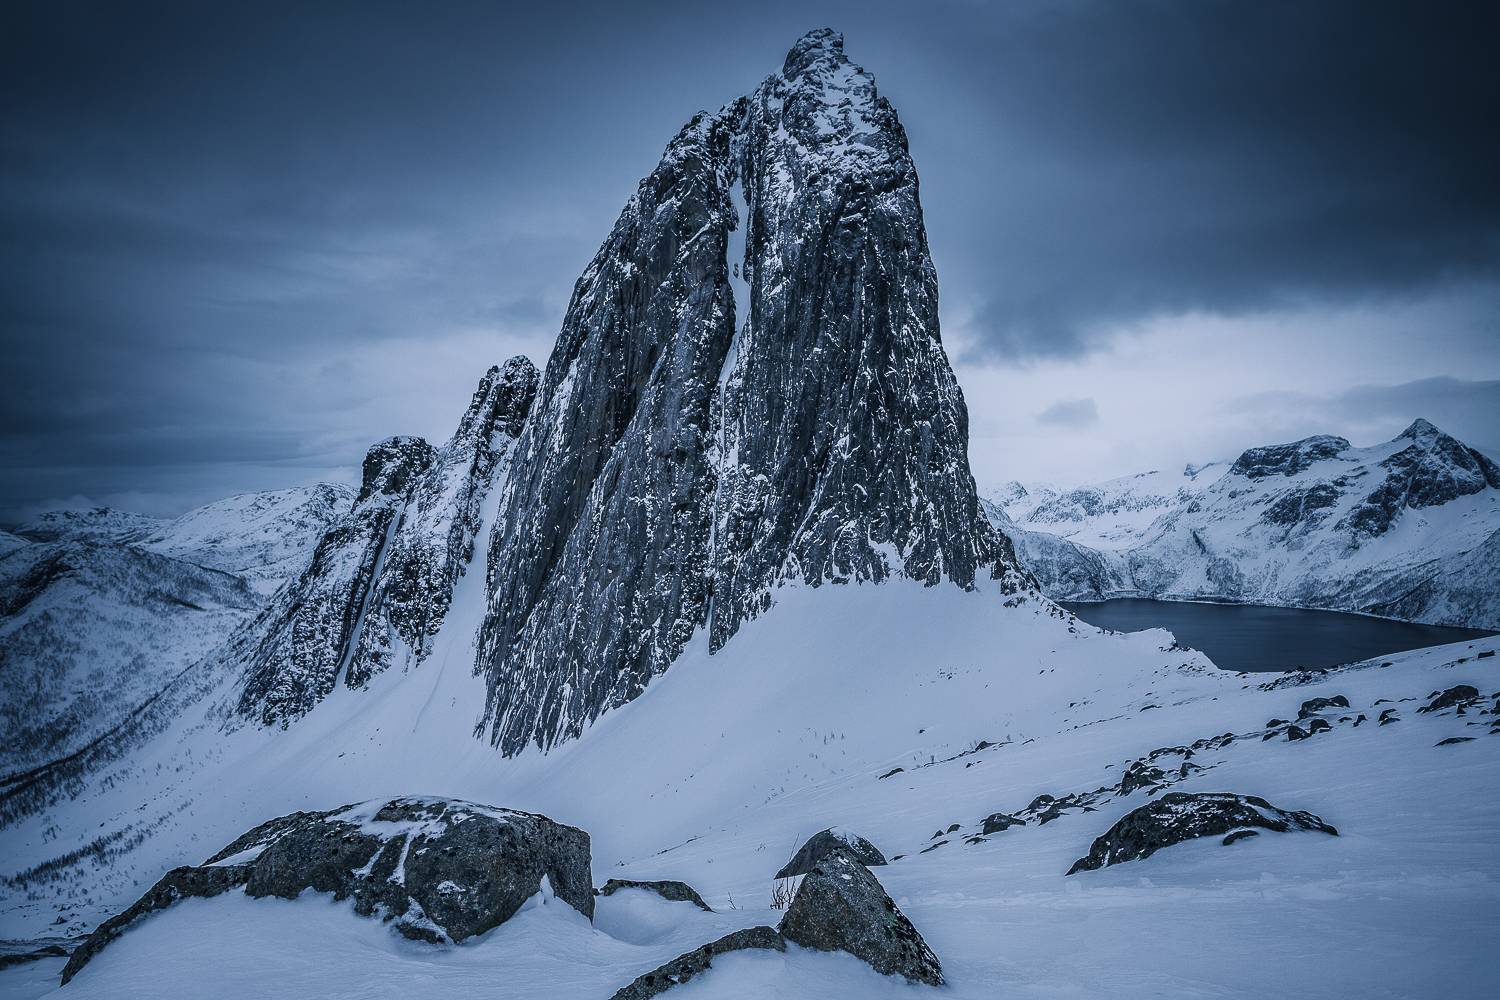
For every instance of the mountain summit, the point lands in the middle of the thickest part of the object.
(688, 452)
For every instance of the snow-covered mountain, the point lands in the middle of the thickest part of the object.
(100, 609)
(1407, 528)
(716, 580)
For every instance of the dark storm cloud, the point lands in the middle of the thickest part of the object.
(216, 221)
(1469, 409)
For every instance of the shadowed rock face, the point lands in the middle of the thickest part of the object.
(840, 906)
(1178, 816)
(440, 869)
(681, 460)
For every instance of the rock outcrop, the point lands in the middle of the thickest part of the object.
(439, 869)
(295, 650)
(1178, 816)
(840, 906)
(828, 843)
(687, 452)
(381, 579)
(435, 538)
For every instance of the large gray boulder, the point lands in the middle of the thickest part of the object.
(439, 869)
(826, 844)
(1178, 816)
(840, 906)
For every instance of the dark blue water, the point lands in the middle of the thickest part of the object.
(1249, 637)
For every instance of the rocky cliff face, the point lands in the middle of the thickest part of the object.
(434, 540)
(684, 459)
(295, 650)
(1408, 528)
(380, 581)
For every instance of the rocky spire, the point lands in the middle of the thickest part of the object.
(676, 470)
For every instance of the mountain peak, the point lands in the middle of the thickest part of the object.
(818, 44)
(1420, 428)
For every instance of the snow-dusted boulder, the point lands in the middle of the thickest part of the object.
(700, 959)
(827, 843)
(1179, 816)
(440, 869)
(841, 906)
(668, 889)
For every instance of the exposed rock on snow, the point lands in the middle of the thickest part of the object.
(441, 869)
(685, 967)
(1408, 529)
(1458, 696)
(828, 843)
(999, 822)
(840, 906)
(675, 470)
(1313, 706)
(1179, 816)
(669, 889)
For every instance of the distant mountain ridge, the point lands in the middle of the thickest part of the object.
(1408, 528)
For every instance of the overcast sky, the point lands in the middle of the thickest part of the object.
(239, 243)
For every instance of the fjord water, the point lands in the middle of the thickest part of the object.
(1262, 639)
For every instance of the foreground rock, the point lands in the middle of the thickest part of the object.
(669, 889)
(834, 841)
(1179, 816)
(685, 967)
(840, 906)
(441, 869)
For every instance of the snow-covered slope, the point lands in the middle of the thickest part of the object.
(729, 761)
(1406, 528)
